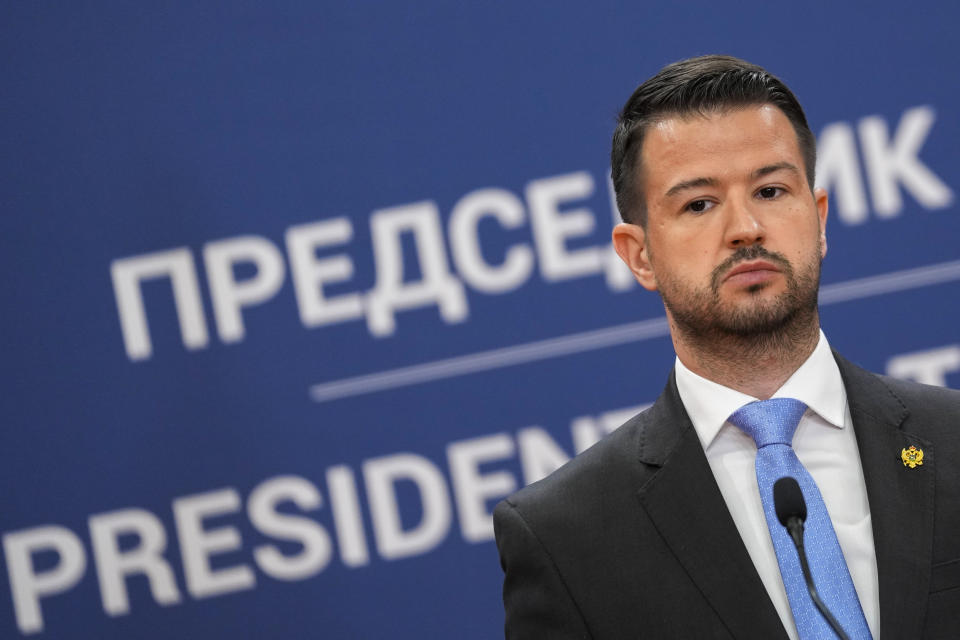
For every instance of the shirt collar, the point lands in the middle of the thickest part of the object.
(817, 383)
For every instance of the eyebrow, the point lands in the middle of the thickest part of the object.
(691, 184)
(773, 168)
(695, 183)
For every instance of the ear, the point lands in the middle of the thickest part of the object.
(820, 198)
(630, 243)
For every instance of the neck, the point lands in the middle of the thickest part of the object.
(756, 364)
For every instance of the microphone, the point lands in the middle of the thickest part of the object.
(791, 511)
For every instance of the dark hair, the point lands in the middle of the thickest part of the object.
(695, 85)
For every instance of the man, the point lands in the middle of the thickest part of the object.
(666, 529)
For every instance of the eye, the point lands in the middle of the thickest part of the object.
(769, 193)
(699, 206)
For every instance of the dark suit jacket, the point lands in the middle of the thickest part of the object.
(632, 539)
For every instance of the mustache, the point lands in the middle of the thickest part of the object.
(745, 254)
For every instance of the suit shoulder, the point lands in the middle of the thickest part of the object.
(587, 474)
(926, 411)
(877, 395)
(933, 412)
(922, 394)
(923, 401)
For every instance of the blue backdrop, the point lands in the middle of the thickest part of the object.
(294, 293)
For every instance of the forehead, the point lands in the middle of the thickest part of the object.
(721, 146)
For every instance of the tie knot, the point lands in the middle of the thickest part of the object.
(770, 421)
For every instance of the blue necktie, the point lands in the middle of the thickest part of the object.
(771, 424)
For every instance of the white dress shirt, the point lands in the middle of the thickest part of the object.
(826, 445)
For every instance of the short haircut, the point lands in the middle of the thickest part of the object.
(701, 85)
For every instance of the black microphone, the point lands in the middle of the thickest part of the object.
(792, 512)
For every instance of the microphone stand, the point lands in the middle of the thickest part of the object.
(795, 527)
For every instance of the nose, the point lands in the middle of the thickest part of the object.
(743, 226)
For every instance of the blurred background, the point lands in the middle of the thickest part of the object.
(295, 292)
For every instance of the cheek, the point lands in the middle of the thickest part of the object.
(799, 235)
(686, 252)
(686, 264)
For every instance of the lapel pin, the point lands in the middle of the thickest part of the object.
(912, 457)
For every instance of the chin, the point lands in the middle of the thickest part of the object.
(762, 317)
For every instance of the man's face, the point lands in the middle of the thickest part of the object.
(734, 236)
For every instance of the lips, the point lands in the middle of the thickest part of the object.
(751, 272)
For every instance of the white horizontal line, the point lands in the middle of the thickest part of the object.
(485, 360)
(601, 338)
(890, 282)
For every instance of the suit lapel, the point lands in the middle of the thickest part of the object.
(686, 506)
(901, 500)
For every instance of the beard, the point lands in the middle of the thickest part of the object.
(784, 320)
